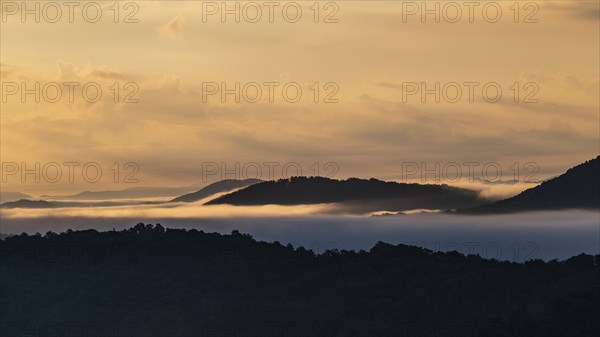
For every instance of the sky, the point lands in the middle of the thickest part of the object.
(161, 120)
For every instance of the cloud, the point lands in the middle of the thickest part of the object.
(105, 72)
(174, 28)
(563, 80)
(586, 10)
(171, 131)
(514, 237)
(7, 69)
(496, 190)
(67, 71)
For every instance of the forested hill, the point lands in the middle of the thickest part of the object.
(152, 281)
(577, 188)
(361, 195)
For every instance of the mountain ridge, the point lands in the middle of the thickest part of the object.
(217, 187)
(360, 195)
(576, 188)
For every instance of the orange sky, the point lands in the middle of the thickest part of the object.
(369, 125)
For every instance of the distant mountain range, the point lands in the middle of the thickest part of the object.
(25, 203)
(29, 203)
(354, 195)
(12, 196)
(214, 188)
(578, 188)
(128, 193)
(76, 200)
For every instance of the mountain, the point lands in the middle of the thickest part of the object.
(25, 203)
(128, 193)
(218, 187)
(578, 188)
(354, 195)
(151, 281)
(12, 196)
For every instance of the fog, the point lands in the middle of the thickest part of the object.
(512, 237)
